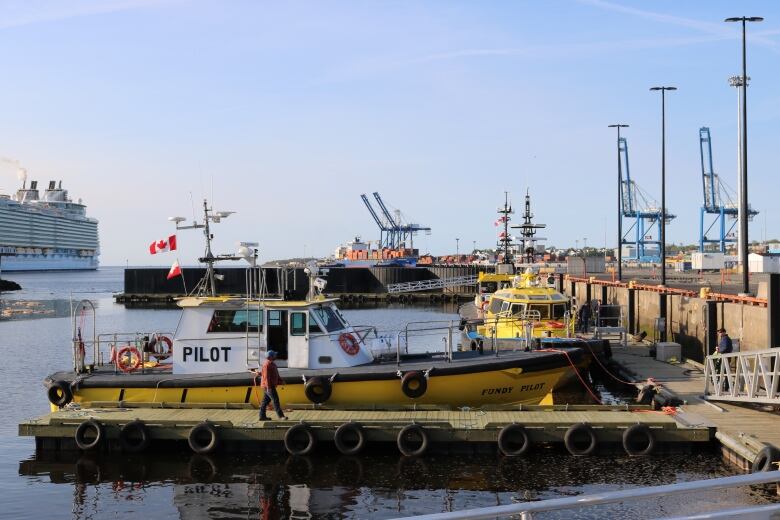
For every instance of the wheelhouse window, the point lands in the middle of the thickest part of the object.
(495, 305)
(328, 318)
(241, 320)
(543, 310)
(518, 309)
(298, 324)
(559, 310)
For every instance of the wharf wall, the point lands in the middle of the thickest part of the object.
(692, 318)
(341, 280)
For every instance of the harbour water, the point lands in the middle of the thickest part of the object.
(377, 485)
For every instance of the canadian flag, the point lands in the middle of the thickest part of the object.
(499, 221)
(163, 245)
(175, 270)
(502, 235)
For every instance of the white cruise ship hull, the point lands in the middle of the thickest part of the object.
(48, 262)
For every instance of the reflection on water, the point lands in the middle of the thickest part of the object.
(34, 309)
(278, 486)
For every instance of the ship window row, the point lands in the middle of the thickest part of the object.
(247, 320)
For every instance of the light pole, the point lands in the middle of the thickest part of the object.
(474, 245)
(743, 199)
(457, 247)
(663, 184)
(619, 205)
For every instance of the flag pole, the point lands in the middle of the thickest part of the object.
(182, 276)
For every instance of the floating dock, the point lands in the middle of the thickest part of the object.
(582, 429)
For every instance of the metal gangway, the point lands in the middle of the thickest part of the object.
(751, 377)
(429, 285)
(610, 321)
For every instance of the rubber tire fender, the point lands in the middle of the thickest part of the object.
(506, 438)
(409, 379)
(764, 459)
(195, 443)
(289, 439)
(136, 427)
(318, 389)
(59, 393)
(345, 429)
(81, 431)
(570, 437)
(642, 433)
(404, 448)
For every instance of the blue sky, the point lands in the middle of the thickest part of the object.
(286, 112)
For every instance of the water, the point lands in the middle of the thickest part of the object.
(376, 485)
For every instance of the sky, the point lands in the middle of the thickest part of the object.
(285, 112)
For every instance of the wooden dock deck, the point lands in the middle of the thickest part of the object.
(741, 430)
(448, 430)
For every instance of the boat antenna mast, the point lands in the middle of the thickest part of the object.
(207, 286)
(528, 232)
(504, 238)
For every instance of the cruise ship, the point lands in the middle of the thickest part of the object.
(43, 232)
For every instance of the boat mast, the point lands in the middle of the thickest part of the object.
(528, 232)
(505, 240)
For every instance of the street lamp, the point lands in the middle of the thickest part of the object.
(619, 204)
(663, 183)
(457, 247)
(743, 199)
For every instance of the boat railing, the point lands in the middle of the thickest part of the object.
(128, 349)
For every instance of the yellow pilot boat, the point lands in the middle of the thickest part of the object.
(513, 316)
(322, 360)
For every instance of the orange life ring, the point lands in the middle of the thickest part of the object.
(484, 305)
(349, 344)
(128, 366)
(164, 352)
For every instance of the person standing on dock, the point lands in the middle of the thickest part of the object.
(584, 316)
(270, 380)
(725, 346)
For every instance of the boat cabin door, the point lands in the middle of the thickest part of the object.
(277, 338)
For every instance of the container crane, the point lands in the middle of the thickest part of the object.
(393, 231)
(642, 214)
(719, 200)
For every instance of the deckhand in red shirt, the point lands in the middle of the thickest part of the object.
(270, 375)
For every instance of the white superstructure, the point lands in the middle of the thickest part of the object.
(46, 231)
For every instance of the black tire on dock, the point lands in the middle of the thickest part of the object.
(765, 459)
(638, 440)
(513, 440)
(350, 438)
(574, 437)
(134, 437)
(59, 393)
(300, 440)
(414, 384)
(203, 438)
(89, 435)
(318, 389)
(412, 440)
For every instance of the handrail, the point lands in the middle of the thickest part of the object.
(751, 376)
(609, 497)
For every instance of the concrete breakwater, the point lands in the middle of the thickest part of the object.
(151, 284)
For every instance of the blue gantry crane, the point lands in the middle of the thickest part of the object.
(641, 216)
(394, 233)
(719, 200)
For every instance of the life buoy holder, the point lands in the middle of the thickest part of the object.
(513, 440)
(638, 440)
(59, 393)
(130, 365)
(318, 389)
(350, 438)
(573, 440)
(349, 344)
(134, 436)
(162, 346)
(89, 435)
(203, 438)
(414, 384)
(412, 440)
(300, 440)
